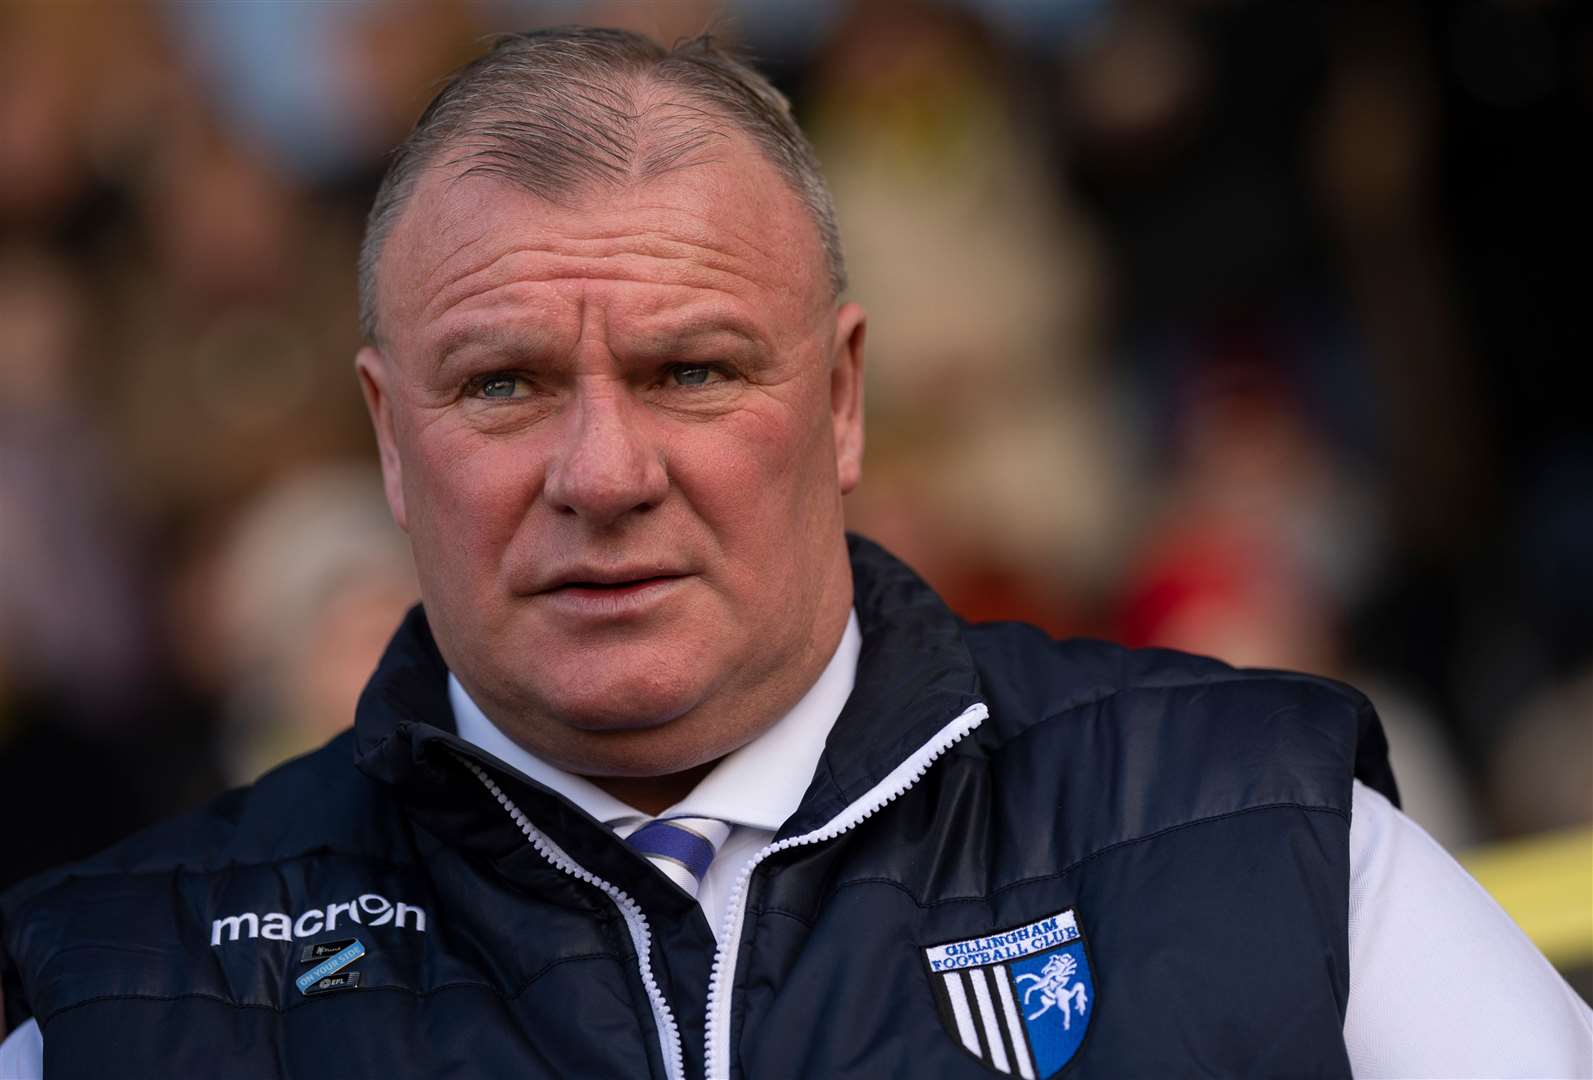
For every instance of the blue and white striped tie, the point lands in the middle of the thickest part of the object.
(682, 847)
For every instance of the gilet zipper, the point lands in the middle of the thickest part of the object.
(635, 922)
(716, 1038)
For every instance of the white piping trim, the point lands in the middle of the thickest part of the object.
(896, 782)
(635, 922)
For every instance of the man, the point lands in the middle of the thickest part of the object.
(671, 778)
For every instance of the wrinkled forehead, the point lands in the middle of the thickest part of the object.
(724, 218)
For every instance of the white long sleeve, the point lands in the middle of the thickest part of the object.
(1442, 982)
(22, 1054)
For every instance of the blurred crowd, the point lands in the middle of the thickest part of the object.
(1235, 326)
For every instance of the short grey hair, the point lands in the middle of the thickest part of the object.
(558, 110)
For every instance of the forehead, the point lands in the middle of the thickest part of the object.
(727, 226)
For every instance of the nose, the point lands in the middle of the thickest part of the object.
(607, 465)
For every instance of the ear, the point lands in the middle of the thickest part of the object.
(375, 373)
(846, 394)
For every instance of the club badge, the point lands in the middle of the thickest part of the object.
(1019, 1000)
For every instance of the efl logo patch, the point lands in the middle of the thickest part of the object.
(1019, 1000)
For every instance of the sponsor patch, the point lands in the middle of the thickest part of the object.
(329, 966)
(1020, 999)
(343, 980)
(322, 949)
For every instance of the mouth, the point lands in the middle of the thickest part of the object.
(604, 594)
(618, 587)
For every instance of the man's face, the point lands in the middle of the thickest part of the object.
(617, 431)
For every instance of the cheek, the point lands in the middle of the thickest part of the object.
(762, 477)
(466, 497)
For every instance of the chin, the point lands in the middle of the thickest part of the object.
(625, 704)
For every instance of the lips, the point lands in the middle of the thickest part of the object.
(613, 587)
(607, 580)
(609, 597)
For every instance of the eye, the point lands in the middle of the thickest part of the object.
(498, 386)
(693, 374)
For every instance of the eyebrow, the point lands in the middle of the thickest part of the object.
(520, 342)
(696, 334)
(494, 336)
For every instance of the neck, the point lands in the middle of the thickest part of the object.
(652, 795)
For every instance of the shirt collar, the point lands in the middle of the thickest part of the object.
(474, 727)
(759, 785)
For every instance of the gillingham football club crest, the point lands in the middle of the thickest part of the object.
(1019, 1000)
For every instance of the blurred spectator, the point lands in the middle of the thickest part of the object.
(233, 319)
(983, 292)
(1265, 541)
(1541, 777)
(85, 727)
(297, 604)
(69, 598)
(84, 91)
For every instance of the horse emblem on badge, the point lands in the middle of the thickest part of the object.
(1020, 999)
(1052, 986)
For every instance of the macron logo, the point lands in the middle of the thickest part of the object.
(370, 909)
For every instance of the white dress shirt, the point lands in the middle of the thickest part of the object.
(1442, 983)
(754, 789)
